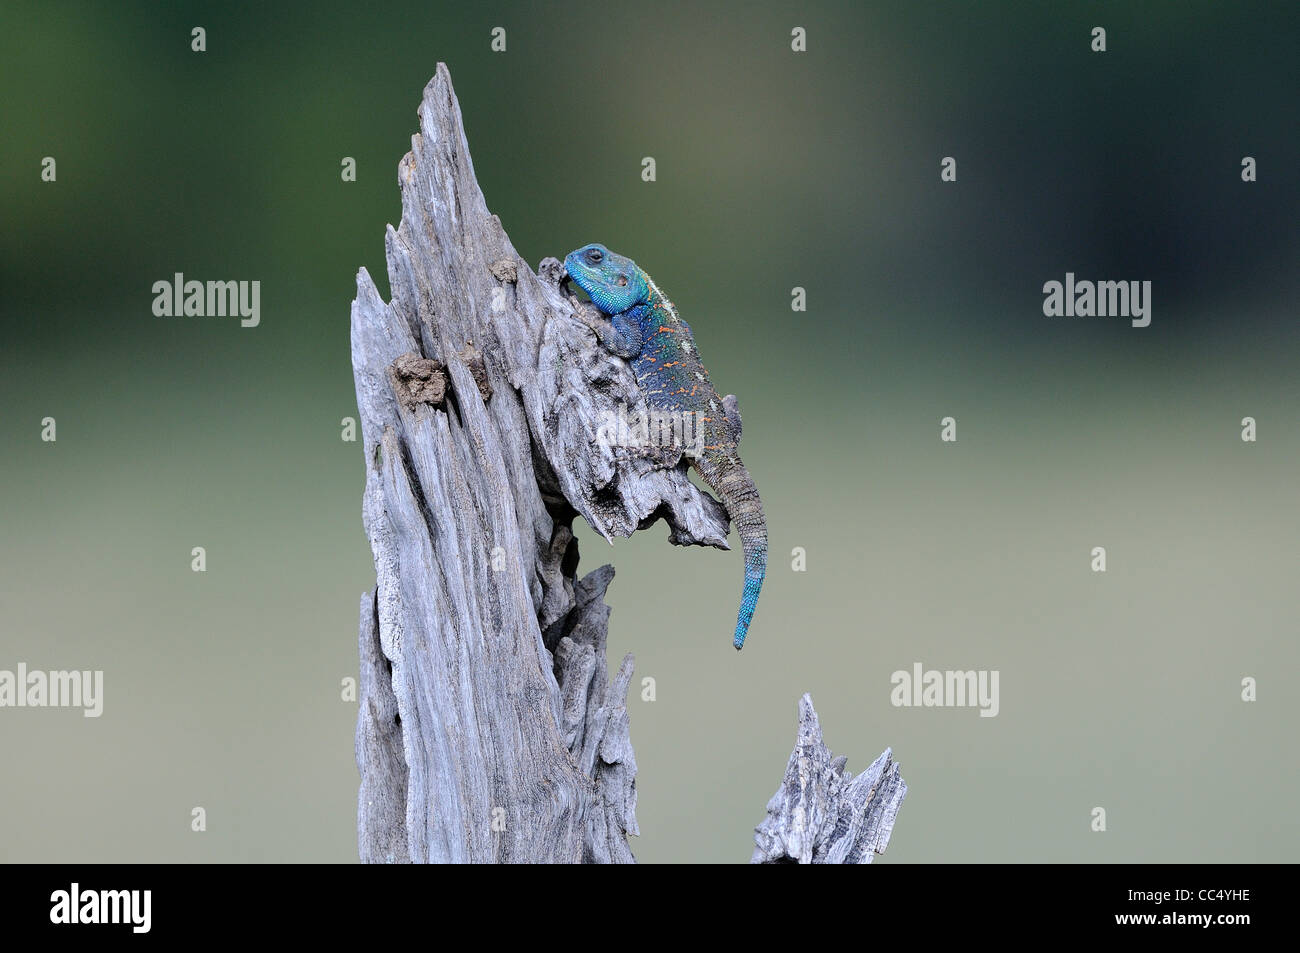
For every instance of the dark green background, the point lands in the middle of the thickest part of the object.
(775, 169)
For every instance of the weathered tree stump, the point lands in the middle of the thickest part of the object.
(488, 729)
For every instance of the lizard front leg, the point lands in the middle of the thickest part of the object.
(621, 335)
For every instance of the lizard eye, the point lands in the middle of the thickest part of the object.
(622, 281)
(594, 256)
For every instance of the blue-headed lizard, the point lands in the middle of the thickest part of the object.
(644, 328)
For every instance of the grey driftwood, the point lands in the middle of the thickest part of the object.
(489, 727)
(821, 814)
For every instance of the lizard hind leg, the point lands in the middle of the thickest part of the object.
(731, 407)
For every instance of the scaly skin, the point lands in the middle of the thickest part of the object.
(645, 329)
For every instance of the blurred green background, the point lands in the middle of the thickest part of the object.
(775, 169)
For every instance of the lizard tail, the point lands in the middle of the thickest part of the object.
(731, 481)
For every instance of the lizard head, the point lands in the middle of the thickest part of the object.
(614, 283)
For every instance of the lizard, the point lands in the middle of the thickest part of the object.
(645, 329)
